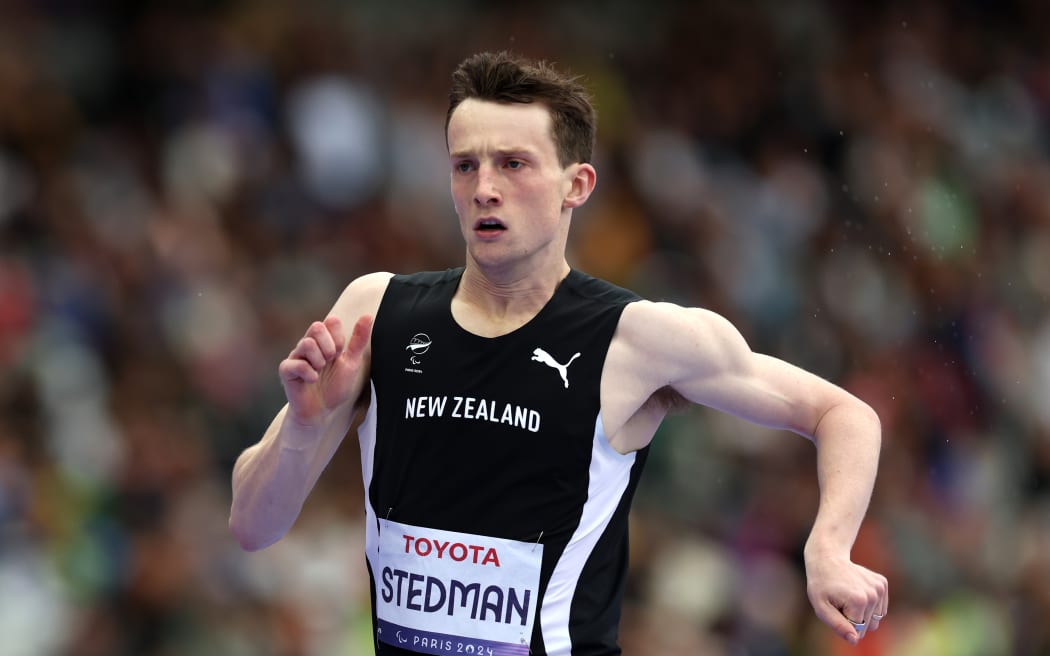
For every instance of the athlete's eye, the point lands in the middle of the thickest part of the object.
(464, 166)
(515, 164)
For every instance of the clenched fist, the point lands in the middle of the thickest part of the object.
(323, 370)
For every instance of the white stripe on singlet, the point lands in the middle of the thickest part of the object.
(610, 473)
(366, 437)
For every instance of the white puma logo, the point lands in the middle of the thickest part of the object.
(539, 355)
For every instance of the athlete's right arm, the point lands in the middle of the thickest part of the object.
(323, 378)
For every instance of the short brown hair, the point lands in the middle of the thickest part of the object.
(506, 78)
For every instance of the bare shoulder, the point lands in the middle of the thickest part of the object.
(665, 333)
(657, 347)
(663, 351)
(362, 296)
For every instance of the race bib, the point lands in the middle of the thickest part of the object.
(447, 593)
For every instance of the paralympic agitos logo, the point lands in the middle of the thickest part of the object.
(418, 345)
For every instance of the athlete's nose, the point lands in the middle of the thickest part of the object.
(485, 190)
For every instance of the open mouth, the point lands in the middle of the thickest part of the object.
(489, 225)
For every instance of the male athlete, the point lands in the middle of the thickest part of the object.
(509, 405)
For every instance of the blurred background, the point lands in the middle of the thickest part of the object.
(184, 186)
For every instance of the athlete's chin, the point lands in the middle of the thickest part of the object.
(491, 256)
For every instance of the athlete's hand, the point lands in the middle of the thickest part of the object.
(321, 371)
(842, 592)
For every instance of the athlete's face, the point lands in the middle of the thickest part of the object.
(513, 198)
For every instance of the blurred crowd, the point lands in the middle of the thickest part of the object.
(184, 186)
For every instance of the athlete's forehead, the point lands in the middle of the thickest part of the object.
(478, 126)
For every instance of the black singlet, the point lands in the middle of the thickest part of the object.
(499, 438)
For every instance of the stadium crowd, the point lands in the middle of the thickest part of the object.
(863, 190)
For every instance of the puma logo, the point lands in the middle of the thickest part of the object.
(539, 355)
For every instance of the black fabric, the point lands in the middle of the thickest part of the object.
(509, 455)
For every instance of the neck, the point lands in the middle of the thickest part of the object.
(490, 304)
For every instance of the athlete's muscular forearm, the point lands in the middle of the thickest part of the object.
(272, 479)
(324, 377)
(848, 439)
(848, 597)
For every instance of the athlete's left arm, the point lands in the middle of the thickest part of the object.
(704, 358)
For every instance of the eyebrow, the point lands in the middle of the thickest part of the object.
(501, 152)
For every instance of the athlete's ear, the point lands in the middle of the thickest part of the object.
(582, 177)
